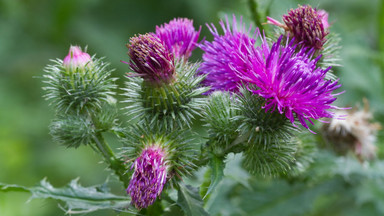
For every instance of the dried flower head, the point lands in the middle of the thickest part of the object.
(149, 177)
(150, 59)
(179, 36)
(290, 82)
(224, 51)
(306, 24)
(76, 59)
(356, 132)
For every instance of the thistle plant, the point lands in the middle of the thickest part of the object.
(251, 95)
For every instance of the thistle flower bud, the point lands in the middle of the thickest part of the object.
(306, 25)
(149, 177)
(79, 83)
(179, 36)
(76, 59)
(150, 59)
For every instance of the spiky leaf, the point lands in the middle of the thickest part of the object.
(77, 199)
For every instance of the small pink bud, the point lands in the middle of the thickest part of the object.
(76, 59)
(324, 18)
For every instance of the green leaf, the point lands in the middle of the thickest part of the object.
(217, 172)
(78, 199)
(17, 188)
(190, 201)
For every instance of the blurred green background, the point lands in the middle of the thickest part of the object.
(34, 31)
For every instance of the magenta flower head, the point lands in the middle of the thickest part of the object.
(76, 59)
(224, 51)
(306, 25)
(150, 59)
(291, 82)
(179, 36)
(149, 177)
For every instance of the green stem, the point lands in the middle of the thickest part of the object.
(115, 164)
(381, 37)
(252, 4)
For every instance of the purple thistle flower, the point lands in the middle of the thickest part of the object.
(306, 25)
(179, 36)
(150, 59)
(224, 51)
(149, 178)
(290, 82)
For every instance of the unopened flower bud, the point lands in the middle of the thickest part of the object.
(150, 59)
(76, 59)
(306, 24)
(149, 177)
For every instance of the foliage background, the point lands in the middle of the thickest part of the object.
(31, 32)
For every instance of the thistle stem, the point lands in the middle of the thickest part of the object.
(114, 163)
(252, 4)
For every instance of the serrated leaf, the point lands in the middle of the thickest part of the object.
(190, 201)
(217, 172)
(78, 199)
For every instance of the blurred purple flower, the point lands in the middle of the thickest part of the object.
(290, 82)
(224, 51)
(76, 59)
(179, 36)
(150, 59)
(149, 177)
(324, 18)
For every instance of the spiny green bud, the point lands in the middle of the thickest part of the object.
(72, 131)
(79, 83)
(175, 104)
